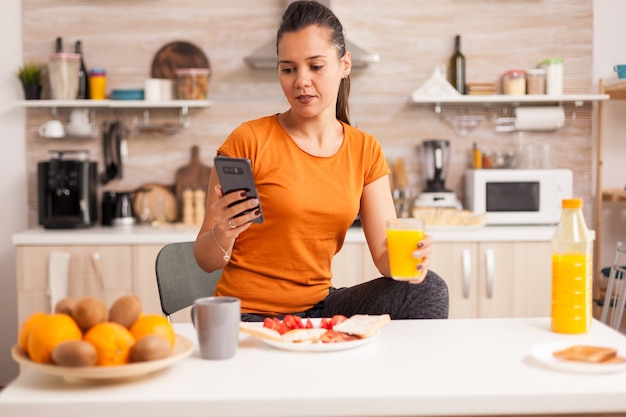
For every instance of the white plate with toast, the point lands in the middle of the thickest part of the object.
(318, 346)
(544, 353)
(366, 328)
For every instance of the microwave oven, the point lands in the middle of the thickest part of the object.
(518, 196)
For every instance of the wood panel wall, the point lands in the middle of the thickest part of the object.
(411, 36)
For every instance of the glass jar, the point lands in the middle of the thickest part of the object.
(554, 75)
(63, 71)
(192, 83)
(536, 81)
(514, 82)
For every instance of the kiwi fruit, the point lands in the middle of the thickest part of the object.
(65, 305)
(89, 311)
(126, 310)
(74, 353)
(150, 348)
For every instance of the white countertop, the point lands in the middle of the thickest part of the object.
(414, 367)
(139, 235)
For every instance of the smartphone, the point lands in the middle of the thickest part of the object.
(235, 174)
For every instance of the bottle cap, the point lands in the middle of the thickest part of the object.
(572, 203)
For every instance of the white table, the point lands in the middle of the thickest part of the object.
(430, 367)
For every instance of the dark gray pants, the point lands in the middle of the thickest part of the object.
(401, 300)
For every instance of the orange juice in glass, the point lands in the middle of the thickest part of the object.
(403, 235)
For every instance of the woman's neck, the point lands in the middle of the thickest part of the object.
(319, 136)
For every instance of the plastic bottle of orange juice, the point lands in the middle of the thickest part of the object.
(572, 248)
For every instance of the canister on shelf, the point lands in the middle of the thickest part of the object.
(554, 75)
(536, 81)
(63, 69)
(192, 83)
(97, 84)
(514, 82)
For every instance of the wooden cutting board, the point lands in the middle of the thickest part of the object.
(177, 55)
(156, 198)
(193, 176)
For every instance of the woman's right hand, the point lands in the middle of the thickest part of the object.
(222, 225)
(229, 211)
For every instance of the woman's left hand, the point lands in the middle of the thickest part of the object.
(423, 252)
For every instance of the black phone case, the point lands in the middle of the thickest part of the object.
(235, 174)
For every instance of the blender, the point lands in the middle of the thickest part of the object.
(436, 154)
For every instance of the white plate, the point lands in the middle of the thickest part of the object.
(319, 347)
(316, 347)
(182, 348)
(543, 354)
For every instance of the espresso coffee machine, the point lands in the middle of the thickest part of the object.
(436, 159)
(67, 190)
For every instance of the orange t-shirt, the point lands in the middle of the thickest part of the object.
(284, 264)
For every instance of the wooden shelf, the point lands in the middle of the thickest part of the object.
(614, 195)
(616, 91)
(577, 99)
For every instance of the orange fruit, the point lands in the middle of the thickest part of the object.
(24, 332)
(49, 331)
(150, 324)
(112, 342)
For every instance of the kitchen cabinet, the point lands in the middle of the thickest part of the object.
(110, 262)
(144, 277)
(495, 279)
(603, 195)
(485, 279)
(353, 265)
(104, 271)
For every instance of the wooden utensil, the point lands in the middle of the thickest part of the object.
(193, 176)
(401, 181)
(176, 55)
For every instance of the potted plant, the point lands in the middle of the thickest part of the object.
(30, 75)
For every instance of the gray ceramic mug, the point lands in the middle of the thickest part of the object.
(216, 320)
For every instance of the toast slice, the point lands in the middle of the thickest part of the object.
(362, 325)
(586, 353)
(260, 332)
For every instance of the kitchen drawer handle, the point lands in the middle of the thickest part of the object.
(94, 260)
(467, 266)
(490, 261)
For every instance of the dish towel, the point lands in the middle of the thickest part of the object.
(58, 271)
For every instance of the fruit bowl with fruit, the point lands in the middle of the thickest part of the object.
(84, 339)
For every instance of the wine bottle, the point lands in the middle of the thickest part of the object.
(83, 74)
(457, 67)
(59, 45)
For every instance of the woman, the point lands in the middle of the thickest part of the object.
(314, 173)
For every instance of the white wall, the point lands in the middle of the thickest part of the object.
(608, 50)
(13, 174)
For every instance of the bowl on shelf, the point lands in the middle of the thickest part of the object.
(132, 94)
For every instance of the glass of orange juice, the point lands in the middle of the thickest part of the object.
(403, 236)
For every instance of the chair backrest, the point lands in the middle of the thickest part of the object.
(179, 278)
(615, 298)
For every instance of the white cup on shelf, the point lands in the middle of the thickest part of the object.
(52, 129)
